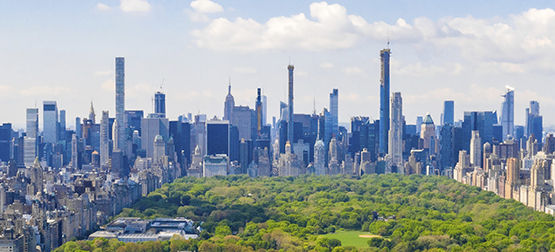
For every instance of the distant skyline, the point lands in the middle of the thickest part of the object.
(468, 52)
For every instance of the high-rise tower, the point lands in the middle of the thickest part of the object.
(508, 112)
(259, 115)
(104, 138)
(32, 122)
(334, 111)
(50, 122)
(160, 104)
(229, 104)
(290, 123)
(384, 100)
(448, 113)
(120, 103)
(396, 132)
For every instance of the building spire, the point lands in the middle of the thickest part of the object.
(229, 88)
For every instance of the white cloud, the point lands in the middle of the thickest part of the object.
(351, 70)
(109, 86)
(520, 38)
(136, 6)
(245, 70)
(102, 7)
(206, 6)
(100, 73)
(301, 73)
(326, 65)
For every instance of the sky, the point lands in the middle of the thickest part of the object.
(466, 51)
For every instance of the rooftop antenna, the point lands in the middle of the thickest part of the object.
(314, 105)
(162, 83)
(387, 39)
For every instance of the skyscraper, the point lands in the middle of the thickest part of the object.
(428, 133)
(120, 102)
(534, 122)
(30, 141)
(334, 111)
(290, 124)
(448, 113)
(384, 100)
(160, 104)
(264, 110)
(259, 115)
(396, 131)
(62, 124)
(476, 149)
(508, 112)
(229, 104)
(50, 122)
(104, 138)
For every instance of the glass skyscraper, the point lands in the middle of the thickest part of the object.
(50, 122)
(384, 101)
(334, 111)
(508, 112)
(160, 104)
(290, 124)
(448, 113)
(120, 102)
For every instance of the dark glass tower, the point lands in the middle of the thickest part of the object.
(384, 101)
(160, 104)
(290, 120)
(448, 113)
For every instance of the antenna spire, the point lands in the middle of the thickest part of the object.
(388, 39)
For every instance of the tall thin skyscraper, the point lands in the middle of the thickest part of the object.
(508, 112)
(448, 113)
(264, 110)
(290, 123)
(120, 102)
(334, 111)
(50, 122)
(476, 149)
(160, 104)
(259, 115)
(384, 100)
(396, 132)
(104, 138)
(61, 133)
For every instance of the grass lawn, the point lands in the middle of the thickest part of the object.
(351, 238)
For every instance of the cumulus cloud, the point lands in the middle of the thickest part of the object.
(102, 7)
(109, 86)
(519, 38)
(206, 6)
(134, 6)
(44, 91)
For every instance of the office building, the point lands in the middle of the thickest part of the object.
(217, 137)
(150, 128)
(160, 104)
(181, 133)
(384, 100)
(508, 112)
(50, 122)
(428, 133)
(534, 122)
(264, 110)
(6, 135)
(120, 103)
(396, 131)
(448, 113)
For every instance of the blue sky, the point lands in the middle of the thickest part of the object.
(465, 51)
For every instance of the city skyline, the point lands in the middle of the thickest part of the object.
(49, 70)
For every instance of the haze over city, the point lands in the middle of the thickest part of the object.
(64, 51)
